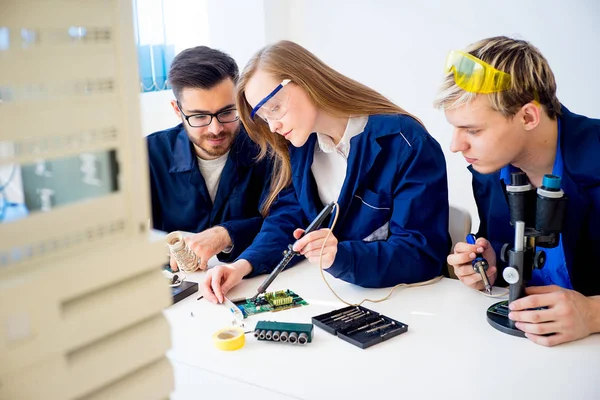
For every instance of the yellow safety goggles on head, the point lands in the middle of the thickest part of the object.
(474, 75)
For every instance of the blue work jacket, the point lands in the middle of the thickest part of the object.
(393, 222)
(180, 199)
(580, 151)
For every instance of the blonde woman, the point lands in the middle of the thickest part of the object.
(334, 139)
(500, 96)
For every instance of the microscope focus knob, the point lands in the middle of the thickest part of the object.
(504, 252)
(539, 259)
(510, 275)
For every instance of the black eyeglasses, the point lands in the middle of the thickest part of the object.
(200, 120)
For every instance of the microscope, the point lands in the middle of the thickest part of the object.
(537, 217)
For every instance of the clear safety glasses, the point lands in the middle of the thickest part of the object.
(274, 105)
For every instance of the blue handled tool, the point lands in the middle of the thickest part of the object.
(480, 265)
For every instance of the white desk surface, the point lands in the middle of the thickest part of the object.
(450, 351)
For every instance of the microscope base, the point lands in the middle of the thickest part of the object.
(497, 316)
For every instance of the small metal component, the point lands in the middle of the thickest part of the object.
(353, 314)
(293, 338)
(276, 335)
(392, 331)
(357, 317)
(199, 298)
(269, 335)
(481, 267)
(283, 337)
(350, 314)
(262, 334)
(366, 326)
(480, 264)
(256, 333)
(303, 338)
(378, 328)
(339, 314)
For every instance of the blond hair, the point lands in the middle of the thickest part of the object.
(531, 78)
(330, 91)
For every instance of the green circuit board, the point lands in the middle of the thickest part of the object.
(500, 308)
(270, 302)
(503, 310)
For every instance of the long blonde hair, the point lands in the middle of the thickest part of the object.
(330, 91)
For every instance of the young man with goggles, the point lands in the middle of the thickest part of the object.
(500, 96)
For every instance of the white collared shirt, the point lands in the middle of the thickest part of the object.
(330, 162)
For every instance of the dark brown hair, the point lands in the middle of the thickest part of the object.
(201, 68)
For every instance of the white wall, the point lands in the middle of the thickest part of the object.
(236, 27)
(156, 111)
(398, 47)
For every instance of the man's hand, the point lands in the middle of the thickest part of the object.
(461, 260)
(220, 279)
(205, 245)
(310, 246)
(569, 315)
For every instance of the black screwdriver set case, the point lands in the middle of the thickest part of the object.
(359, 325)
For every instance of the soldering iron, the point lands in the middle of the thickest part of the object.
(290, 253)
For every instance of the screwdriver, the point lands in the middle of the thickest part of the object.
(480, 265)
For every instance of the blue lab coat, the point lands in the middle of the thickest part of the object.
(180, 199)
(580, 150)
(393, 222)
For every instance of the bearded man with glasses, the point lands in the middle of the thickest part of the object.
(500, 97)
(203, 174)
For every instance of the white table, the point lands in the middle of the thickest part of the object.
(450, 351)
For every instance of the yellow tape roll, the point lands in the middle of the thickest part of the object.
(229, 338)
